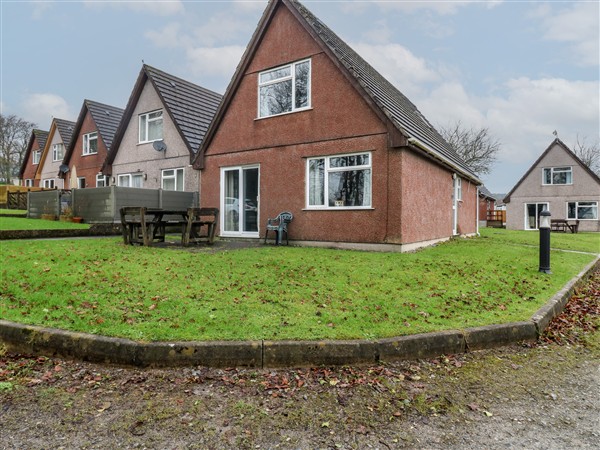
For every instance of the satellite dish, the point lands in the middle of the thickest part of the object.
(159, 146)
(63, 168)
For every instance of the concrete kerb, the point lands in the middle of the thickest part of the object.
(262, 354)
(556, 304)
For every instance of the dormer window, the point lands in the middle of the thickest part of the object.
(284, 89)
(558, 175)
(58, 151)
(90, 143)
(36, 156)
(151, 126)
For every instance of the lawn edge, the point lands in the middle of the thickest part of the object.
(32, 339)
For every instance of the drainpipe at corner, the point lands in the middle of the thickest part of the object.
(477, 213)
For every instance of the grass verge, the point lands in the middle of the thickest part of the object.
(149, 293)
(18, 223)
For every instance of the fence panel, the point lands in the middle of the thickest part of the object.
(43, 202)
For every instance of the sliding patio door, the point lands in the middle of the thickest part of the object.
(532, 214)
(239, 201)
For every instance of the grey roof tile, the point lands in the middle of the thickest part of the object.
(107, 119)
(65, 129)
(191, 107)
(395, 105)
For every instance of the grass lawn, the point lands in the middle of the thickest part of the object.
(148, 293)
(584, 242)
(18, 223)
(13, 211)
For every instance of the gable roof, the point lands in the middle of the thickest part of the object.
(106, 118)
(386, 100)
(562, 145)
(190, 107)
(41, 137)
(65, 129)
(485, 193)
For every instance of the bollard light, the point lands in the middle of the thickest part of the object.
(545, 241)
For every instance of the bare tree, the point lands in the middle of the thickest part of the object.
(588, 154)
(14, 138)
(477, 147)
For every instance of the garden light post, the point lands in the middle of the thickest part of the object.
(545, 241)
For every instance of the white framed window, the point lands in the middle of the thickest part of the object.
(284, 89)
(81, 182)
(135, 180)
(172, 179)
(90, 143)
(48, 183)
(101, 180)
(36, 156)
(340, 181)
(458, 188)
(532, 214)
(557, 175)
(29, 182)
(58, 152)
(582, 210)
(151, 126)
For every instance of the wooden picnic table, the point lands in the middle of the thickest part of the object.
(142, 225)
(562, 225)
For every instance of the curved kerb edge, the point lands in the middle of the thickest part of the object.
(37, 340)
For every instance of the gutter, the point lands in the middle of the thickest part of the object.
(436, 155)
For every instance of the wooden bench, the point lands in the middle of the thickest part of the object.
(197, 219)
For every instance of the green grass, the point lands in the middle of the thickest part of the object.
(148, 293)
(583, 242)
(13, 211)
(18, 223)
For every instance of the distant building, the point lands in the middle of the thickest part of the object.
(558, 182)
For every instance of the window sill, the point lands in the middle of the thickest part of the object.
(340, 208)
(284, 114)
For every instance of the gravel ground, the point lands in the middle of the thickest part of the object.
(541, 396)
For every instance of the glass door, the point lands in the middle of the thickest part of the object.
(239, 201)
(532, 214)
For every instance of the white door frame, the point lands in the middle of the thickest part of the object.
(241, 203)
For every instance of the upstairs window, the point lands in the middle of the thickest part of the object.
(151, 126)
(558, 175)
(582, 210)
(90, 143)
(58, 151)
(36, 156)
(284, 89)
(339, 181)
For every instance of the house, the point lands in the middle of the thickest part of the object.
(59, 138)
(488, 214)
(162, 127)
(558, 182)
(31, 159)
(92, 138)
(307, 126)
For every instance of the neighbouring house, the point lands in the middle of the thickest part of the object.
(92, 138)
(162, 127)
(32, 157)
(558, 182)
(307, 126)
(488, 214)
(59, 138)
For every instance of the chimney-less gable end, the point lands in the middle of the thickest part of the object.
(277, 88)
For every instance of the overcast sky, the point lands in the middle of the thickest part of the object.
(522, 69)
